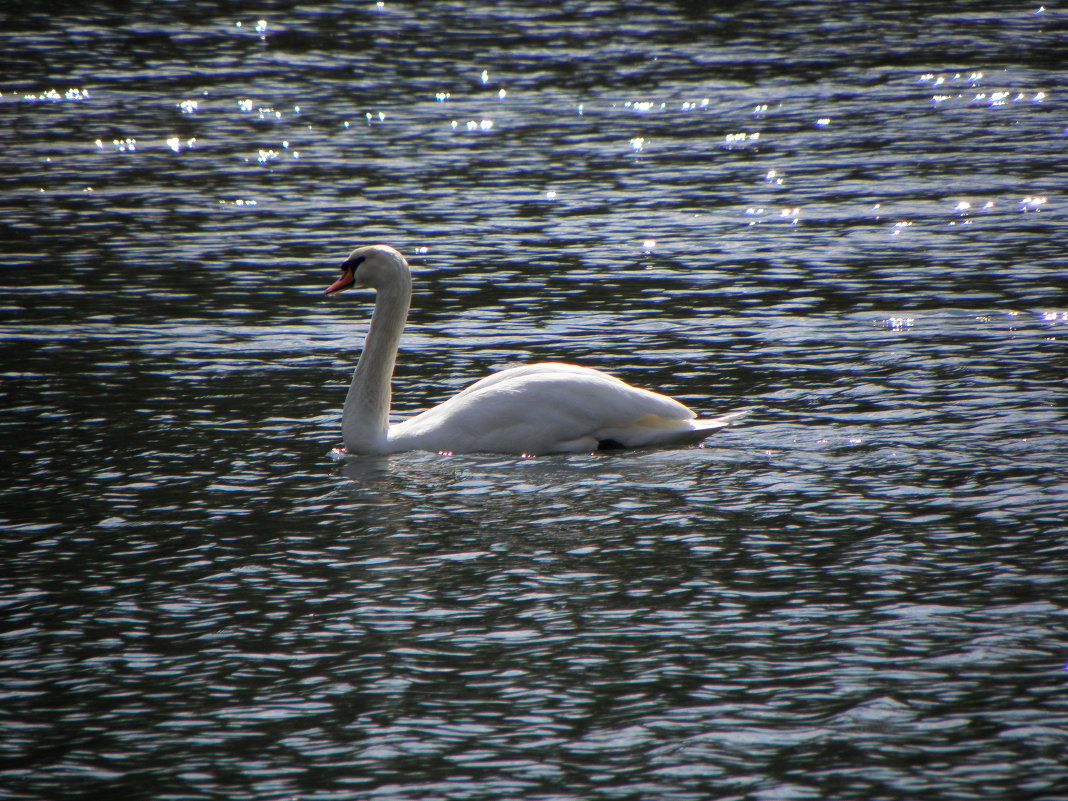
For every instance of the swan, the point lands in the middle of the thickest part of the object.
(530, 410)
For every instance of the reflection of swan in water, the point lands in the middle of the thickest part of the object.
(535, 409)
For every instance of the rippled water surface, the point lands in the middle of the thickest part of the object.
(850, 217)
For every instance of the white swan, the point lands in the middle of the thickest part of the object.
(536, 409)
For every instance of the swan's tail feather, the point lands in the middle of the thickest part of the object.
(701, 430)
(657, 432)
(714, 424)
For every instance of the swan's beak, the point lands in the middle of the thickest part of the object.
(347, 279)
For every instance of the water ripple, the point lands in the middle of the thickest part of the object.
(856, 594)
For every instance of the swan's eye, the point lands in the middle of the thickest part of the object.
(351, 265)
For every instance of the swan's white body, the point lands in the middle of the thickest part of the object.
(536, 409)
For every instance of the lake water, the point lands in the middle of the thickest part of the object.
(850, 217)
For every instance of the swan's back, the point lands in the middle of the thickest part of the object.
(546, 408)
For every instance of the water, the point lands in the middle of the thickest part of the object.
(851, 219)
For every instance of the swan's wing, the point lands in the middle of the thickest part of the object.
(547, 408)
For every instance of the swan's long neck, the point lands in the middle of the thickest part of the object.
(365, 420)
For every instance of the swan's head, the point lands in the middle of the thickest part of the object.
(375, 267)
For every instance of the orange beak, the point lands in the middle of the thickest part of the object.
(347, 279)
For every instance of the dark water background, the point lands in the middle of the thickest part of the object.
(849, 216)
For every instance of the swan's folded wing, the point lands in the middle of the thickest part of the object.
(544, 409)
